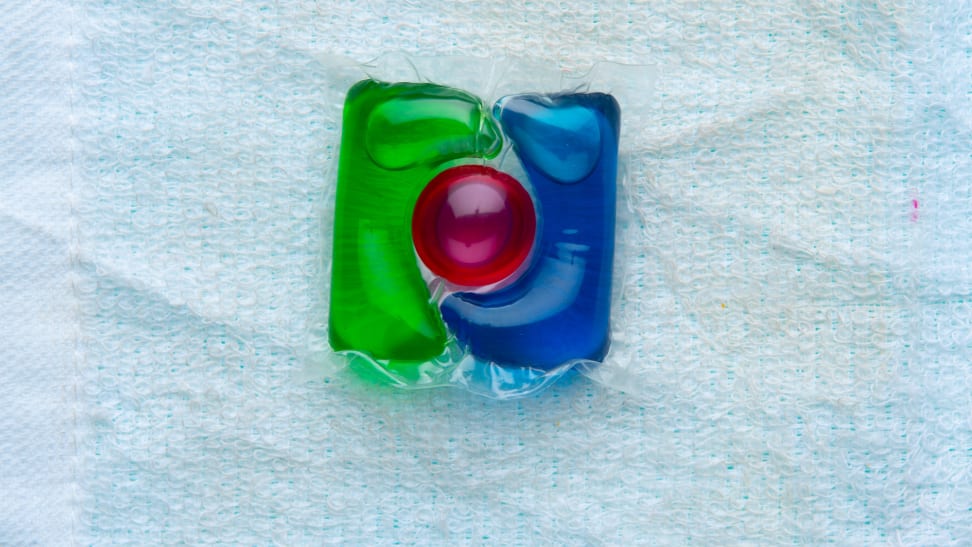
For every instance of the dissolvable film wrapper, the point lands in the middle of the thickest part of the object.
(510, 176)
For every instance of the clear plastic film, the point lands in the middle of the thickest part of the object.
(474, 230)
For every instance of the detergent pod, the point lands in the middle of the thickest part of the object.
(473, 237)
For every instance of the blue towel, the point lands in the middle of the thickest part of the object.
(791, 321)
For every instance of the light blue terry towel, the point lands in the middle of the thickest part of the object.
(792, 321)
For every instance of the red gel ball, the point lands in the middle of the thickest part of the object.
(473, 225)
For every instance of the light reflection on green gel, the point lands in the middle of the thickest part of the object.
(395, 138)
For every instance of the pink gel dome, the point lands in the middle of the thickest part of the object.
(473, 225)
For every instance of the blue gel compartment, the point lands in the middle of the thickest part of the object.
(558, 311)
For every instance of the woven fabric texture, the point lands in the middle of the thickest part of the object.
(792, 329)
(40, 327)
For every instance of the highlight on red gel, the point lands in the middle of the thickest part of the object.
(473, 225)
